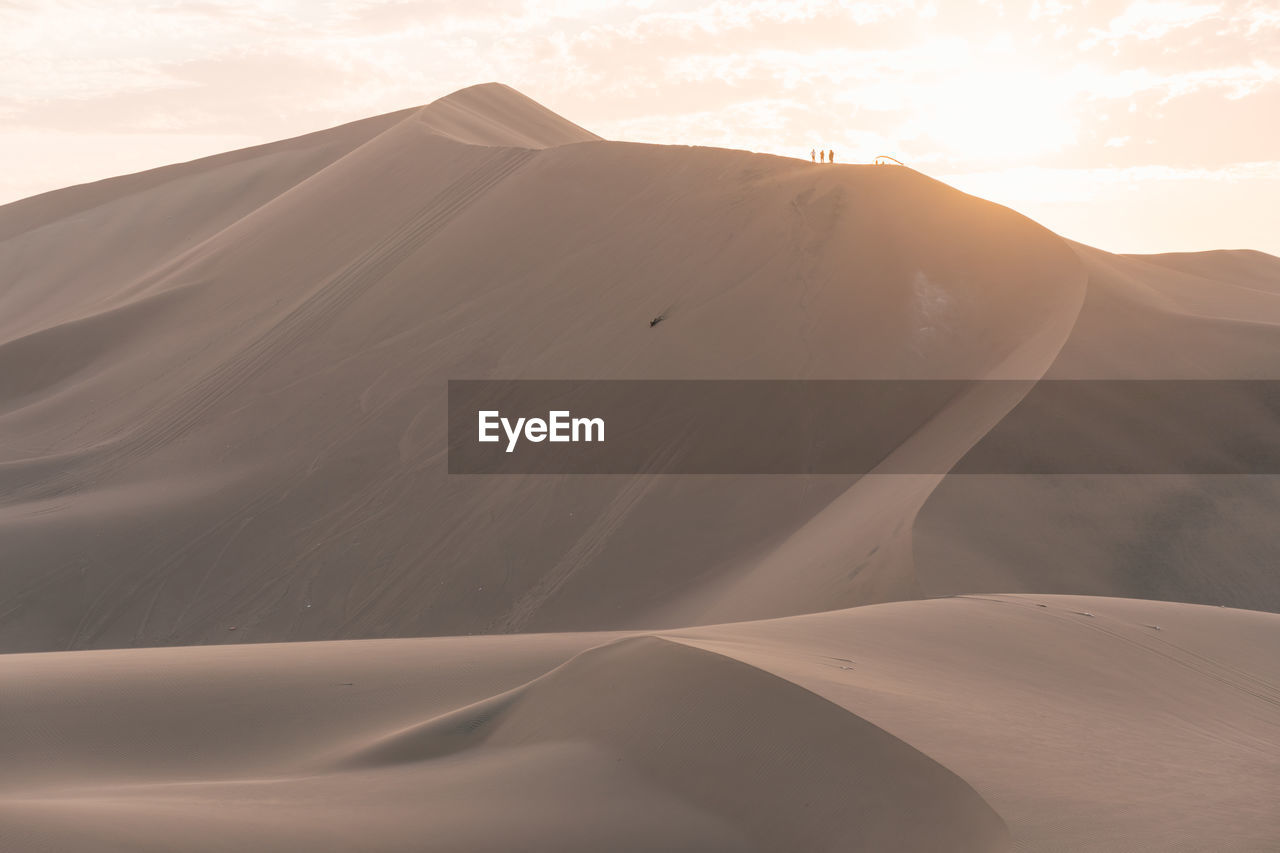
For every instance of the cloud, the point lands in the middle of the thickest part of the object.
(1153, 19)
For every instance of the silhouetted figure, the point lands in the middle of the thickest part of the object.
(822, 156)
(831, 156)
(813, 155)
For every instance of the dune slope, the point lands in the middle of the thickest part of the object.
(1202, 538)
(248, 429)
(1043, 723)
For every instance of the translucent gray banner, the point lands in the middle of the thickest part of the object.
(860, 426)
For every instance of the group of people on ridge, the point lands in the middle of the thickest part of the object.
(822, 156)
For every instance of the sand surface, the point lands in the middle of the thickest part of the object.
(224, 494)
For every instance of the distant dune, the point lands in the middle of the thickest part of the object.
(222, 420)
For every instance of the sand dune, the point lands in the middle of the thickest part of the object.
(1086, 723)
(1109, 724)
(1205, 538)
(222, 425)
(219, 440)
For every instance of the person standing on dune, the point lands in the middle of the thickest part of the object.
(822, 156)
(831, 156)
(813, 155)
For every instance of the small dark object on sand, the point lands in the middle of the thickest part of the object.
(656, 320)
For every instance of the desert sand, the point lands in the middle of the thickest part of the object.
(245, 606)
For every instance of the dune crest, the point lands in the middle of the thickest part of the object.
(497, 115)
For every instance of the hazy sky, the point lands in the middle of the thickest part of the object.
(1132, 125)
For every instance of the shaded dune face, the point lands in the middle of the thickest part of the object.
(248, 428)
(642, 743)
(1201, 538)
(1088, 724)
(830, 778)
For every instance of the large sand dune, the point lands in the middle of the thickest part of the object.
(221, 432)
(222, 421)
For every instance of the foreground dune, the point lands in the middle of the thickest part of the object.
(976, 723)
(222, 426)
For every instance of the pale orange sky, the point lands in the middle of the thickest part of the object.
(1133, 125)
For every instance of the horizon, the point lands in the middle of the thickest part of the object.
(1090, 121)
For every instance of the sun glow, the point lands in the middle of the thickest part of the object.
(994, 103)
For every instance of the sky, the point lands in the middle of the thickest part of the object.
(1132, 125)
